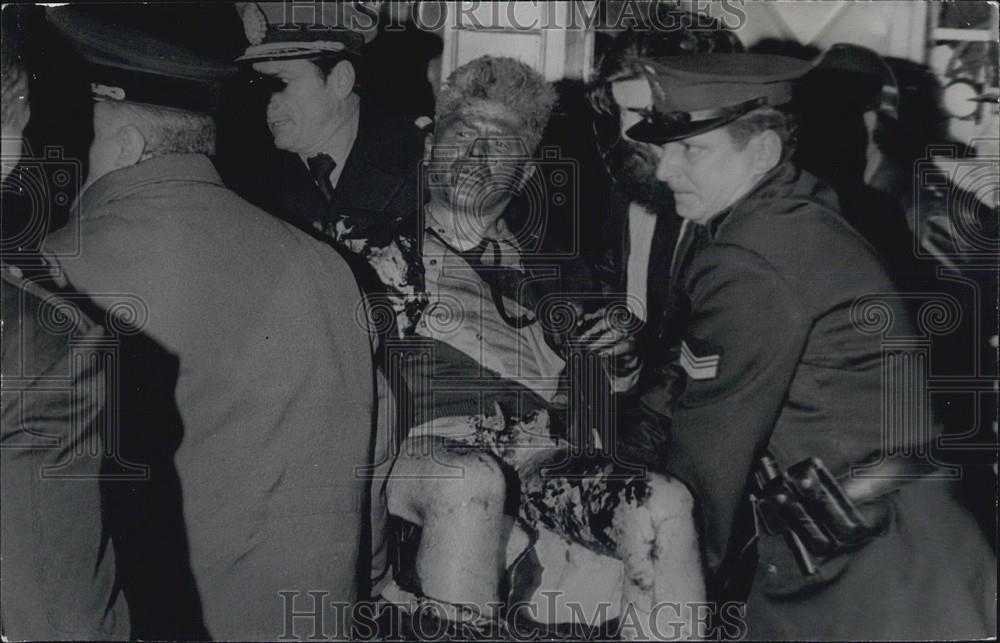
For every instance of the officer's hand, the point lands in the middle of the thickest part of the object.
(606, 333)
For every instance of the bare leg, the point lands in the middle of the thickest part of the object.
(647, 522)
(664, 582)
(457, 495)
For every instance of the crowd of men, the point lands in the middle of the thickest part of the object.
(378, 379)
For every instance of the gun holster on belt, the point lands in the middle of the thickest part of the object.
(809, 508)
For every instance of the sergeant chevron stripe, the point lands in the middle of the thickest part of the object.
(698, 368)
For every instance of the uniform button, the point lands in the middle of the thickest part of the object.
(479, 336)
(772, 569)
(433, 262)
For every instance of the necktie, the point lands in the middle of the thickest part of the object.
(320, 167)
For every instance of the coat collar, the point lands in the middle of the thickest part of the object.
(376, 168)
(193, 168)
(375, 162)
(786, 182)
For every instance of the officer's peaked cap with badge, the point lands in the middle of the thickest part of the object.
(125, 64)
(697, 93)
(290, 30)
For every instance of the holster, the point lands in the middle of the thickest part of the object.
(820, 517)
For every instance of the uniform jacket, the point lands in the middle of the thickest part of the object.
(774, 354)
(57, 563)
(373, 210)
(274, 384)
(380, 176)
(767, 349)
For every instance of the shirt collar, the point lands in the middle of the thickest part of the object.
(467, 241)
(340, 144)
(170, 167)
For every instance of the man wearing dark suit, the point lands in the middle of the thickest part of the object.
(343, 167)
(275, 386)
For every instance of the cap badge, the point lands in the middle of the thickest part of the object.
(254, 23)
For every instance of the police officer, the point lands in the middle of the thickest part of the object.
(273, 383)
(343, 167)
(640, 226)
(775, 357)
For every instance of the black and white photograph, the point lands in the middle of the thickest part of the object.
(583, 320)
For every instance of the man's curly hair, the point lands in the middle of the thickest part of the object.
(505, 81)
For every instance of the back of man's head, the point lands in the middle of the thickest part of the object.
(507, 82)
(165, 130)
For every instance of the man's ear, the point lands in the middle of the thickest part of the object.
(341, 79)
(131, 146)
(767, 152)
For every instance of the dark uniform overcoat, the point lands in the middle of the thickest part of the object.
(373, 214)
(380, 175)
(782, 313)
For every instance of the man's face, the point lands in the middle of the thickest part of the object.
(479, 158)
(632, 163)
(305, 108)
(707, 173)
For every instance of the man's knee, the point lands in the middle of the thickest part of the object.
(445, 478)
(481, 482)
(668, 499)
